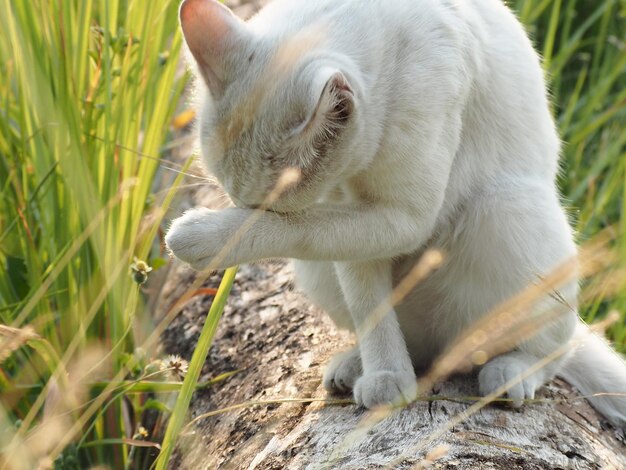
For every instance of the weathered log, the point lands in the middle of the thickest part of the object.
(279, 342)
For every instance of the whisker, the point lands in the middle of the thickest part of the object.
(192, 175)
(184, 186)
(147, 156)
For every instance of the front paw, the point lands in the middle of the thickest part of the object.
(202, 238)
(385, 388)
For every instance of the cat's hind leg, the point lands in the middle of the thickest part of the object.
(512, 237)
(537, 359)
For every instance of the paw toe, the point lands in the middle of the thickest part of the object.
(342, 372)
(385, 388)
(507, 370)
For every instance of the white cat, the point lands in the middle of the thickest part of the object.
(414, 124)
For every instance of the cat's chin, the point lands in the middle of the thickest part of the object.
(282, 206)
(287, 207)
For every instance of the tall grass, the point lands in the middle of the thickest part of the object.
(88, 89)
(583, 44)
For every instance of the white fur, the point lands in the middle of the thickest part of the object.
(448, 144)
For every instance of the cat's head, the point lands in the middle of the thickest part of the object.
(272, 103)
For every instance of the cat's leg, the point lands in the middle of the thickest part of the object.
(358, 290)
(208, 239)
(512, 237)
(388, 375)
(319, 282)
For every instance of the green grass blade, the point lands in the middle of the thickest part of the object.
(197, 361)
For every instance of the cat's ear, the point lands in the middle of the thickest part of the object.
(214, 34)
(339, 98)
(335, 104)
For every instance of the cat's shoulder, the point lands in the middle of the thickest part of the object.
(285, 13)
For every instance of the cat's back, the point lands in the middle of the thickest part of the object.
(373, 18)
(484, 31)
(398, 34)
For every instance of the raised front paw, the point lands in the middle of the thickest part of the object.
(203, 238)
(503, 369)
(343, 371)
(385, 388)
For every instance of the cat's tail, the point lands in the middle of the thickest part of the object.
(599, 373)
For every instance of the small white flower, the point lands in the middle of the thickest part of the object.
(142, 432)
(176, 365)
(139, 270)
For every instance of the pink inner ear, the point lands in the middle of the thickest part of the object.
(209, 29)
(334, 106)
(340, 82)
